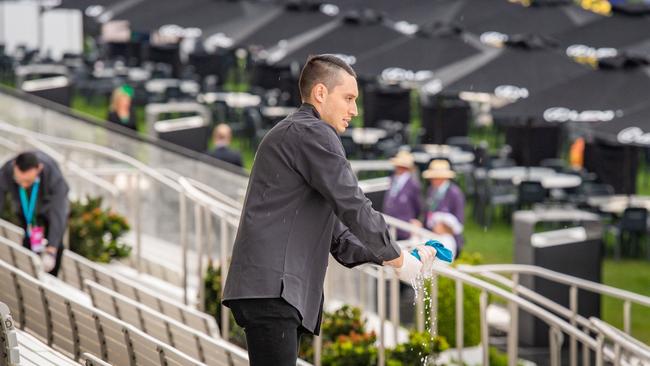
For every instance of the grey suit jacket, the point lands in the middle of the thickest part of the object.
(303, 202)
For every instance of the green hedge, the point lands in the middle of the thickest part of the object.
(95, 232)
(446, 320)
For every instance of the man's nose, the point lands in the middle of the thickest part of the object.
(354, 111)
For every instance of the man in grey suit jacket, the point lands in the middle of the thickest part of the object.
(40, 196)
(303, 202)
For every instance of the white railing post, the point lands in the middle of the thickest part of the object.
(573, 305)
(394, 296)
(318, 350)
(586, 353)
(513, 333)
(138, 222)
(419, 308)
(201, 241)
(600, 349)
(627, 316)
(182, 203)
(617, 354)
(381, 301)
(198, 246)
(485, 340)
(223, 262)
(459, 320)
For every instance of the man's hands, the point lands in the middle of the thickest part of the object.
(49, 258)
(408, 267)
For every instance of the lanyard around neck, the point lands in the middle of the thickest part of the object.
(29, 207)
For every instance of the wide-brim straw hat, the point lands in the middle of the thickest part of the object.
(439, 168)
(403, 159)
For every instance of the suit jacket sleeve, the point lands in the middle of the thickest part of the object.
(320, 160)
(347, 249)
(57, 209)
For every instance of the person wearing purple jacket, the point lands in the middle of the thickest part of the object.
(443, 196)
(403, 200)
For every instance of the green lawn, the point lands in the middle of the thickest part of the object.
(633, 276)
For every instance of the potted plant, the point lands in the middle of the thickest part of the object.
(95, 232)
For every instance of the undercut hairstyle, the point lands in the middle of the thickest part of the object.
(26, 161)
(322, 69)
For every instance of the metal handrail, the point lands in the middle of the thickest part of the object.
(535, 297)
(11, 145)
(96, 149)
(75, 168)
(93, 148)
(83, 173)
(621, 340)
(559, 277)
(216, 195)
(556, 323)
(202, 198)
(574, 284)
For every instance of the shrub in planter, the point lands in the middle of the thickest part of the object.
(420, 350)
(447, 306)
(342, 322)
(212, 304)
(351, 350)
(95, 232)
(8, 211)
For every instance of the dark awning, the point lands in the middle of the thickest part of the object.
(523, 68)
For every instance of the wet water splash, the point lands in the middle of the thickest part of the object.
(420, 285)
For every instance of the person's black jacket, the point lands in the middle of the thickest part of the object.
(130, 122)
(303, 202)
(226, 154)
(52, 207)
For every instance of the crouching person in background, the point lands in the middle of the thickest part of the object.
(40, 192)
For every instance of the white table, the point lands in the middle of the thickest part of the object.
(454, 154)
(158, 86)
(546, 176)
(618, 203)
(232, 100)
(277, 111)
(366, 135)
(520, 172)
(557, 181)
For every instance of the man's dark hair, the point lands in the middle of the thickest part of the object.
(26, 161)
(322, 69)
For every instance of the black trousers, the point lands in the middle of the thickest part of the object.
(273, 330)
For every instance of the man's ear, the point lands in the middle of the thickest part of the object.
(319, 93)
(40, 167)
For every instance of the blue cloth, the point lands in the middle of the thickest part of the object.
(442, 253)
